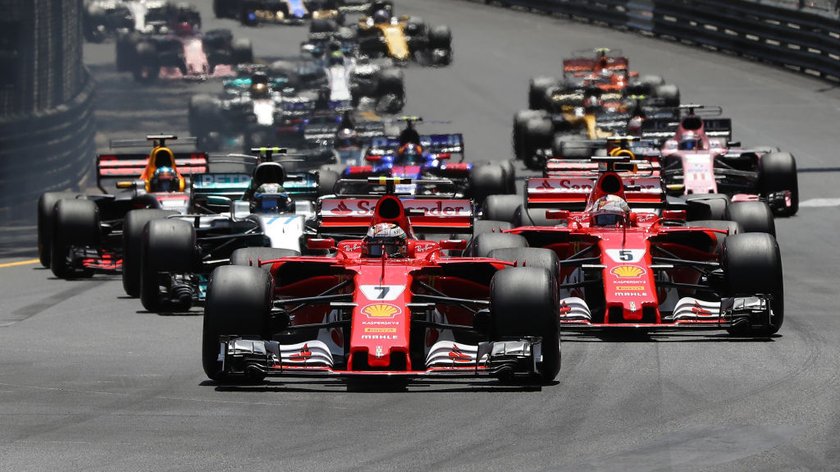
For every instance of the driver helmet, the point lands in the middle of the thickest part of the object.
(259, 90)
(381, 17)
(271, 198)
(689, 142)
(164, 180)
(409, 152)
(592, 102)
(345, 138)
(336, 58)
(634, 126)
(609, 210)
(184, 28)
(385, 238)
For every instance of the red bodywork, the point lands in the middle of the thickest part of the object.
(380, 290)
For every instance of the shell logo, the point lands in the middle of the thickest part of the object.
(381, 310)
(627, 271)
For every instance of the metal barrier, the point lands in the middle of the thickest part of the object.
(796, 39)
(45, 151)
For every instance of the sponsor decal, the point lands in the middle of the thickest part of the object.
(458, 356)
(303, 355)
(379, 351)
(628, 271)
(380, 330)
(378, 337)
(381, 310)
(365, 207)
(379, 323)
(633, 306)
(630, 288)
(630, 294)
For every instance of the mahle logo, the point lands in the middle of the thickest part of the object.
(381, 310)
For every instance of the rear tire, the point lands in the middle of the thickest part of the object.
(533, 257)
(752, 265)
(46, 207)
(238, 303)
(778, 173)
(539, 135)
(133, 226)
(243, 51)
(484, 244)
(75, 224)
(754, 217)
(501, 207)
(326, 182)
(520, 120)
(537, 90)
(523, 302)
(487, 180)
(168, 246)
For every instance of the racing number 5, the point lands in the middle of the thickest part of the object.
(625, 255)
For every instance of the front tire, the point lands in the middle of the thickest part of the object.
(168, 246)
(752, 265)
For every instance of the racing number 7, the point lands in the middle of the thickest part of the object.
(382, 292)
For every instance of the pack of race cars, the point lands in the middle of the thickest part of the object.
(364, 249)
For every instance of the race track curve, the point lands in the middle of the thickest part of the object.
(89, 381)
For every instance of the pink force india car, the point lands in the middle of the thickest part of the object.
(698, 153)
(368, 307)
(649, 269)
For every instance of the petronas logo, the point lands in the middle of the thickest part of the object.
(381, 310)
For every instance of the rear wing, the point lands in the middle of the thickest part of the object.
(299, 186)
(665, 128)
(433, 143)
(571, 193)
(111, 168)
(428, 215)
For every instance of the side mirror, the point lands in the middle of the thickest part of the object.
(673, 215)
(557, 214)
(443, 156)
(453, 244)
(126, 184)
(239, 209)
(324, 244)
(373, 157)
(675, 189)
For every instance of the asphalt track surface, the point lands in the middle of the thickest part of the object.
(89, 381)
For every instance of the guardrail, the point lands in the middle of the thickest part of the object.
(794, 39)
(45, 151)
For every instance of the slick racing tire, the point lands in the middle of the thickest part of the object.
(242, 52)
(510, 176)
(204, 116)
(251, 256)
(489, 226)
(391, 82)
(668, 94)
(532, 217)
(529, 257)
(487, 180)
(75, 224)
(537, 92)
(485, 243)
(323, 26)
(146, 67)
(169, 246)
(238, 303)
(777, 172)
(126, 50)
(326, 182)
(754, 217)
(730, 226)
(523, 302)
(440, 37)
(501, 207)
(752, 265)
(520, 121)
(46, 207)
(571, 147)
(539, 135)
(133, 226)
(708, 206)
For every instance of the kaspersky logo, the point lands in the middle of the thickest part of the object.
(627, 271)
(381, 310)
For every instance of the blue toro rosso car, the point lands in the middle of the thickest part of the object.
(438, 160)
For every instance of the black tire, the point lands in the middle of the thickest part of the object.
(490, 226)
(243, 51)
(710, 206)
(572, 147)
(486, 180)
(133, 225)
(754, 217)
(391, 82)
(510, 176)
(75, 224)
(204, 115)
(537, 88)
(238, 303)
(532, 217)
(485, 243)
(501, 207)
(440, 37)
(752, 265)
(534, 257)
(326, 182)
(168, 246)
(730, 226)
(126, 50)
(539, 135)
(520, 121)
(224, 9)
(668, 94)
(250, 256)
(323, 26)
(778, 173)
(46, 207)
(523, 302)
(147, 65)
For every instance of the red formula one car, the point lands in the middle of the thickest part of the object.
(639, 269)
(387, 305)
